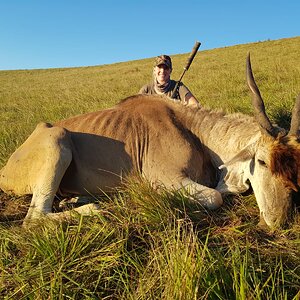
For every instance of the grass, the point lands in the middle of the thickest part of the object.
(147, 244)
(150, 245)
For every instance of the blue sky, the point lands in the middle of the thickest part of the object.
(71, 33)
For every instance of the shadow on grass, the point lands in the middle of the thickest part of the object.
(282, 118)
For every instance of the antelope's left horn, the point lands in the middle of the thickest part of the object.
(258, 103)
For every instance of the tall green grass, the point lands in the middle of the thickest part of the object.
(148, 244)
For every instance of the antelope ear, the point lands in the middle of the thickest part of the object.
(245, 154)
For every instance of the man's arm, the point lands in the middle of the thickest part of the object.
(190, 100)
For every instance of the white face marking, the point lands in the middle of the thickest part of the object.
(272, 196)
(253, 165)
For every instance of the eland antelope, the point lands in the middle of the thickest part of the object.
(204, 152)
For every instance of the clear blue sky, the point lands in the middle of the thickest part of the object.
(66, 33)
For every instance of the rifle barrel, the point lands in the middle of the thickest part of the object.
(192, 55)
(188, 63)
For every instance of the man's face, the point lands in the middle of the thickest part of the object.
(162, 73)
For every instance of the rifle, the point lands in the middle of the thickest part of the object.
(187, 65)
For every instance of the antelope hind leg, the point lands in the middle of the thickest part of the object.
(52, 156)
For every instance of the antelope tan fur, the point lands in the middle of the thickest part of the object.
(206, 153)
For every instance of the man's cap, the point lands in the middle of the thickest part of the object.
(163, 60)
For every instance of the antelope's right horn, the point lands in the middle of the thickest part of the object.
(295, 121)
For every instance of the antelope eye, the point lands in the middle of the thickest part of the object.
(262, 163)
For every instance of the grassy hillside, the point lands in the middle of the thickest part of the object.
(146, 245)
(216, 77)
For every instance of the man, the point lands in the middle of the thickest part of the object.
(163, 84)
